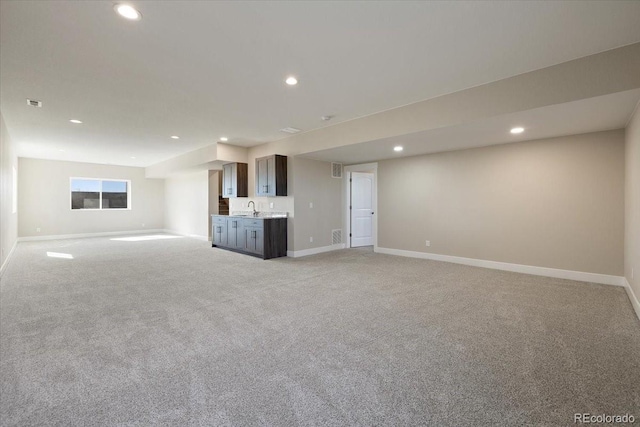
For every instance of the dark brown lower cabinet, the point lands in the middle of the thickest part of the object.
(265, 238)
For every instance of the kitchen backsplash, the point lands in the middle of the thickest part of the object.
(263, 204)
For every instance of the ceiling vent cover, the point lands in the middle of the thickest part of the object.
(336, 237)
(336, 170)
(290, 130)
(34, 103)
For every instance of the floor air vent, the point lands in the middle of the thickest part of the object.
(336, 237)
(336, 170)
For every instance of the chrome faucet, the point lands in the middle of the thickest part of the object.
(254, 206)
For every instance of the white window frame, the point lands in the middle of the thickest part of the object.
(128, 181)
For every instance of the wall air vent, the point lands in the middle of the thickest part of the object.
(336, 170)
(290, 130)
(34, 103)
(336, 237)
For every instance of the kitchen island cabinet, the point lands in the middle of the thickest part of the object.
(263, 236)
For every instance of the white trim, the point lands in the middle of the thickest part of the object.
(633, 113)
(632, 297)
(14, 189)
(604, 279)
(346, 220)
(364, 167)
(100, 209)
(84, 235)
(314, 251)
(6, 261)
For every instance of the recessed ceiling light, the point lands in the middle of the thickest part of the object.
(224, 139)
(132, 157)
(62, 151)
(127, 11)
(291, 81)
(75, 121)
(517, 130)
(175, 137)
(397, 148)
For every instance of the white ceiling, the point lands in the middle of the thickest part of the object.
(202, 70)
(590, 115)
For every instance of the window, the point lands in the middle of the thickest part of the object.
(90, 193)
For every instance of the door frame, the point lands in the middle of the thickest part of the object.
(346, 221)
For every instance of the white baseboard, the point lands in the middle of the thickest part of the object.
(314, 251)
(604, 279)
(6, 260)
(84, 235)
(632, 297)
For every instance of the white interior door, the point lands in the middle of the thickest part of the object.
(361, 209)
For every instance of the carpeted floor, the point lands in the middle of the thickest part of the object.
(173, 332)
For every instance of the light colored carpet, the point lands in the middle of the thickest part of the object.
(173, 332)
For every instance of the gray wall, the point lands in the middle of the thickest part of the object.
(44, 199)
(187, 204)
(8, 219)
(315, 185)
(555, 203)
(632, 203)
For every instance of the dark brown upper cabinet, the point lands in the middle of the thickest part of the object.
(271, 176)
(235, 180)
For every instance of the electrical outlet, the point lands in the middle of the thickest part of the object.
(271, 205)
(310, 239)
(38, 230)
(428, 243)
(310, 205)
